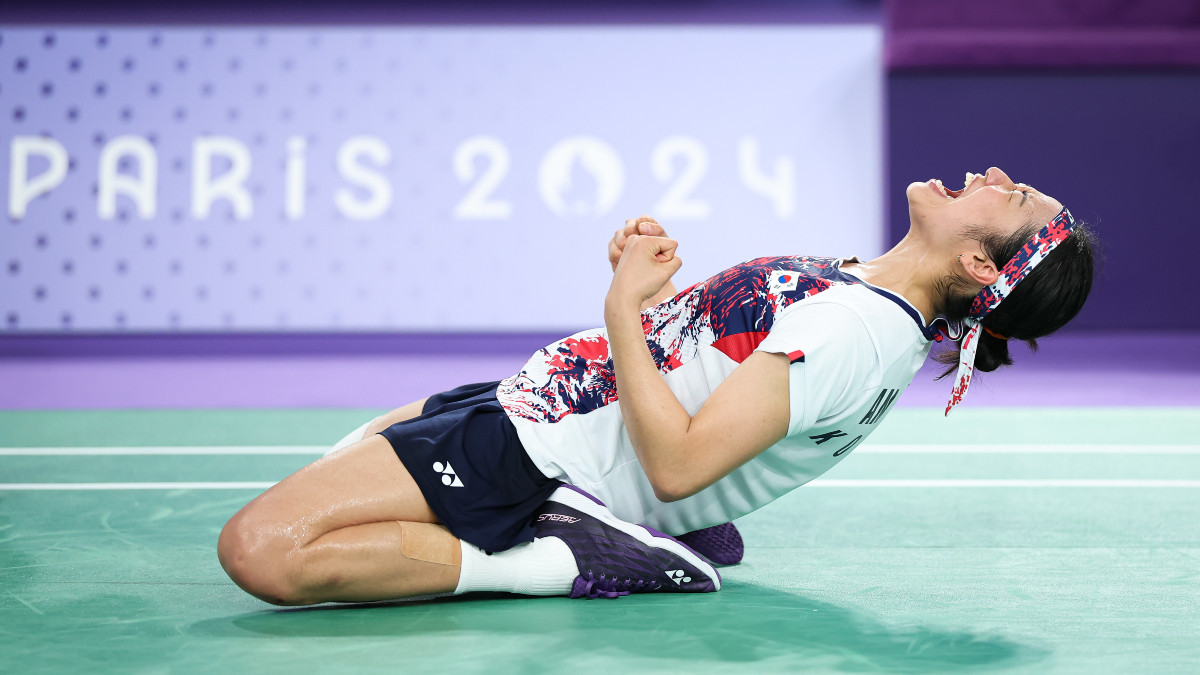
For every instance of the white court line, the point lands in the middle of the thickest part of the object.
(825, 483)
(1031, 449)
(1004, 483)
(1041, 449)
(175, 450)
(136, 486)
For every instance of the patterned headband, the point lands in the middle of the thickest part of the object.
(1033, 252)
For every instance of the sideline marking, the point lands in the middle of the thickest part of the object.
(1032, 449)
(1005, 483)
(826, 483)
(1039, 449)
(174, 450)
(137, 486)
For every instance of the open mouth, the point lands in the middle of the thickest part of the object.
(949, 194)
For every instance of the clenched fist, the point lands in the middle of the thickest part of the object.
(647, 264)
(636, 226)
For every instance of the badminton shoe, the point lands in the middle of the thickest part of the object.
(722, 544)
(617, 558)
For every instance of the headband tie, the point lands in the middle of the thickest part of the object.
(1031, 254)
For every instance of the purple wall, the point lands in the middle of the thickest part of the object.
(1119, 149)
(1072, 33)
(1093, 102)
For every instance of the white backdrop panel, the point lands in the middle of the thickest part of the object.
(415, 178)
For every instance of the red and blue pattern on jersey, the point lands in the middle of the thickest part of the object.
(732, 311)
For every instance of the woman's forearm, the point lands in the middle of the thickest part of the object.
(657, 423)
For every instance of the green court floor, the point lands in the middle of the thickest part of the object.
(1021, 540)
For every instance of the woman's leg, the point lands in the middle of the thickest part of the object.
(352, 526)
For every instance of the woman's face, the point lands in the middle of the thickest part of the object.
(991, 201)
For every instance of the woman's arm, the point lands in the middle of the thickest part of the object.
(682, 454)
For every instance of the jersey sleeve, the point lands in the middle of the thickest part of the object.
(832, 357)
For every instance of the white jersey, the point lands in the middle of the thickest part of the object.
(854, 348)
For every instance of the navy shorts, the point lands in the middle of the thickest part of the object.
(464, 454)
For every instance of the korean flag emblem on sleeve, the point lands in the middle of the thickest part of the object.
(783, 281)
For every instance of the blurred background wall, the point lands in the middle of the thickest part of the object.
(396, 154)
(1094, 101)
(407, 176)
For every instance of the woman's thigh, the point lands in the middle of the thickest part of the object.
(364, 483)
(316, 533)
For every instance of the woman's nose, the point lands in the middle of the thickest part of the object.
(994, 176)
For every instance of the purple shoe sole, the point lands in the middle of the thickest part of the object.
(722, 544)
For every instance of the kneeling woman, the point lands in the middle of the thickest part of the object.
(689, 410)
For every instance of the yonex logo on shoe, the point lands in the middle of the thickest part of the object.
(677, 576)
(558, 518)
(448, 476)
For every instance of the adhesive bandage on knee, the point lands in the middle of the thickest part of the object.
(350, 439)
(428, 543)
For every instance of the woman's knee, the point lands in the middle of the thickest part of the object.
(259, 561)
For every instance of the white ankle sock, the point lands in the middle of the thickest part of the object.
(350, 439)
(544, 566)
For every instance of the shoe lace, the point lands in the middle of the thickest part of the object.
(605, 586)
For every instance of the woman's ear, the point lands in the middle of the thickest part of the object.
(979, 267)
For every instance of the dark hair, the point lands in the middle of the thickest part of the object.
(1040, 304)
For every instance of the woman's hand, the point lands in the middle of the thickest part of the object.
(646, 264)
(644, 225)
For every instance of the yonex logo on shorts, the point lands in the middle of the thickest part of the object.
(558, 518)
(449, 478)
